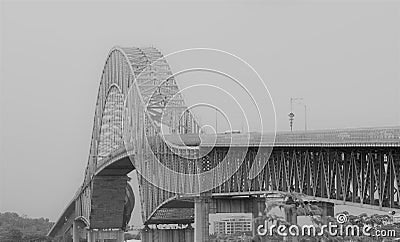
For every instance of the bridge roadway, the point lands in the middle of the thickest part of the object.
(356, 137)
(138, 98)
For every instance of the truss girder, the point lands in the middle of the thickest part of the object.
(360, 175)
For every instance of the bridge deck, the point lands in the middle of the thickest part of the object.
(387, 137)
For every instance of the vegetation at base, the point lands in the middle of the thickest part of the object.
(242, 237)
(15, 228)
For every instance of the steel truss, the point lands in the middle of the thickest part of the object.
(138, 82)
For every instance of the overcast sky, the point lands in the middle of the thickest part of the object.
(343, 57)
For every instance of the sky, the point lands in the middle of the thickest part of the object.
(342, 57)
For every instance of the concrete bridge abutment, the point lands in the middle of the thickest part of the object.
(108, 199)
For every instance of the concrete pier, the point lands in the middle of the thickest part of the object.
(168, 235)
(201, 219)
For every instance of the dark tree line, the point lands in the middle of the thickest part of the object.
(15, 228)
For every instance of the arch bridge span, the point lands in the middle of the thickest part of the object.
(138, 97)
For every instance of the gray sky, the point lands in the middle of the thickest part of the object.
(343, 57)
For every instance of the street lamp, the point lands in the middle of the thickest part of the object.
(291, 118)
(300, 101)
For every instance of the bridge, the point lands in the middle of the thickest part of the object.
(184, 174)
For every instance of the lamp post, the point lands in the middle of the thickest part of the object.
(291, 118)
(297, 100)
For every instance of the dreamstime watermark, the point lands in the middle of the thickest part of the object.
(331, 229)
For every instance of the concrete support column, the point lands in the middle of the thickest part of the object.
(75, 232)
(90, 236)
(291, 218)
(189, 234)
(291, 215)
(108, 200)
(201, 219)
(146, 236)
(258, 208)
(120, 236)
